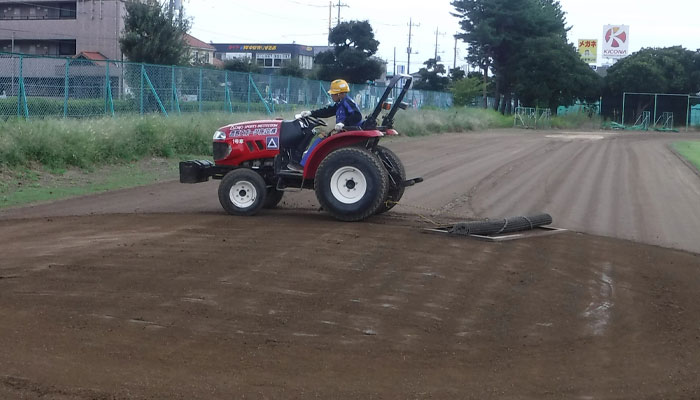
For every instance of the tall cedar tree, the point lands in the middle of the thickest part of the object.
(499, 33)
(352, 55)
(153, 35)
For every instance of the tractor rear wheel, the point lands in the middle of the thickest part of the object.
(242, 192)
(351, 183)
(397, 175)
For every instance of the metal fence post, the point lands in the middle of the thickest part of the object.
(287, 96)
(108, 93)
(259, 95)
(155, 93)
(228, 93)
(687, 120)
(175, 101)
(250, 79)
(143, 71)
(201, 91)
(19, 88)
(172, 88)
(22, 95)
(65, 91)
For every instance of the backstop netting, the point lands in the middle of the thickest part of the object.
(658, 111)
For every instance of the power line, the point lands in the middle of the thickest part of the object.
(306, 4)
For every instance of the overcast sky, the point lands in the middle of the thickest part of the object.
(652, 23)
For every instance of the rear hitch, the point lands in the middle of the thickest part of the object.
(411, 182)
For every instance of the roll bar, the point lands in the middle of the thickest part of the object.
(388, 120)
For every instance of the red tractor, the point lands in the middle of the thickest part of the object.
(353, 176)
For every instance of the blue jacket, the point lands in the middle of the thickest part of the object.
(345, 111)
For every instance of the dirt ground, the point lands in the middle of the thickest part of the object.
(155, 293)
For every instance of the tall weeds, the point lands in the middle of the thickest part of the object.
(84, 143)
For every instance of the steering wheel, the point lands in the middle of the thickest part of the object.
(317, 121)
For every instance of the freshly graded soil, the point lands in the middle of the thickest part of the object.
(156, 293)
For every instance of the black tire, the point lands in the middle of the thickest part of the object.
(242, 192)
(351, 183)
(273, 197)
(397, 175)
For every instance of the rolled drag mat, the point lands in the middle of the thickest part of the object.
(499, 226)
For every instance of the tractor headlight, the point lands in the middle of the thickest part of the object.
(218, 135)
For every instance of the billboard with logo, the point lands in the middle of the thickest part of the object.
(588, 50)
(616, 41)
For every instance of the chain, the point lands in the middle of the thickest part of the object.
(428, 209)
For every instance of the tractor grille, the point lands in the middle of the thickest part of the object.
(221, 150)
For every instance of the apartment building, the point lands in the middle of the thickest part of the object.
(201, 52)
(62, 28)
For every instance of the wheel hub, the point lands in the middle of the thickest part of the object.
(348, 185)
(243, 194)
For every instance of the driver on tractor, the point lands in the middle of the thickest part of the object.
(346, 114)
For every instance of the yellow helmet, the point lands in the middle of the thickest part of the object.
(339, 86)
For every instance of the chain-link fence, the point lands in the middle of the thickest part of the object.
(33, 86)
(659, 111)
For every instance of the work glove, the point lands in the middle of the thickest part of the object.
(305, 114)
(339, 126)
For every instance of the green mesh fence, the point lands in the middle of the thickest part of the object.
(37, 87)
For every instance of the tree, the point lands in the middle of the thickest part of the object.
(352, 55)
(656, 70)
(550, 72)
(431, 77)
(457, 74)
(292, 68)
(153, 35)
(466, 89)
(498, 33)
(241, 65)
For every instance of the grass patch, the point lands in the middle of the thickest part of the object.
(92, 143)
(32, 185)
(427, 122)
(689, 150)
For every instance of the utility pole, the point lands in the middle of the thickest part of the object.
(437, 32)
(330, 8)
(339, 5)
(409, 50)
(394, 60)
(454, 63)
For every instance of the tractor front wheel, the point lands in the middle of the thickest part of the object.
(351, 184)
(242, 192)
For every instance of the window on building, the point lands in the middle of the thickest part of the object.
(268, 62)
(67, 10)
(305, 62)
(277, 62)
(66, 47)
(261, 62)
